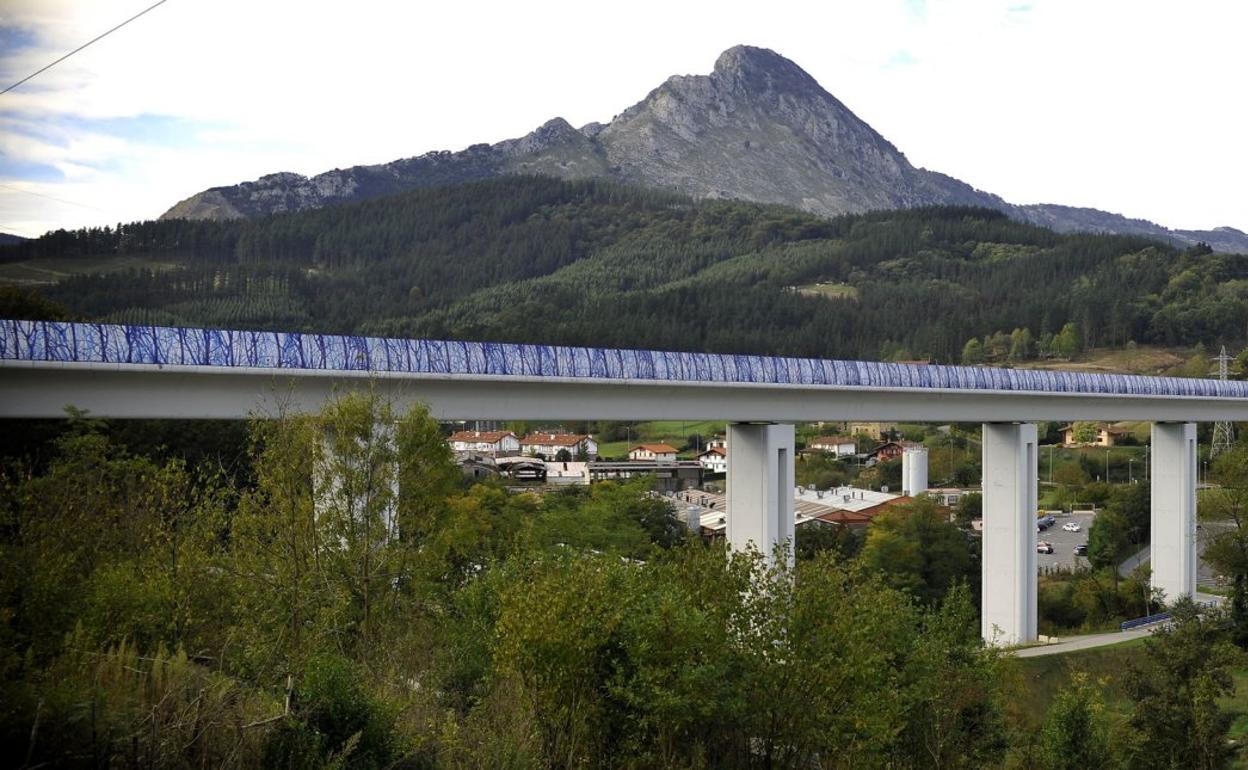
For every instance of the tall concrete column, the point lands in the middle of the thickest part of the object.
(1174, 508)
(1009, 542)
(760, 486)
(360, 485)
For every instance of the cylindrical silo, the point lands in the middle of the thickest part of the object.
(914, 471)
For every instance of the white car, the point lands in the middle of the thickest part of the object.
(1071, 527)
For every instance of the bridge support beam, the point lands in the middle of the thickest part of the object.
(1174, 508)
(1009, 542)
(760, 486)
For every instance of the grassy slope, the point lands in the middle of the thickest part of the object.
(1038, 680)
(1144, 359)
(673, 432)
(34, 272)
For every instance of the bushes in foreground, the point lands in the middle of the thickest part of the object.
(326, 616)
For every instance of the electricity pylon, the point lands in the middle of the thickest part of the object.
(1223, 432)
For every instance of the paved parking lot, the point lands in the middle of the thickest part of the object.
(1064, 542)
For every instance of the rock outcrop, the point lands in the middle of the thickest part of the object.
(758, 128)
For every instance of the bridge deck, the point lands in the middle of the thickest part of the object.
(56, 356)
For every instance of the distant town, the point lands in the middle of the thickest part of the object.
(694, 482)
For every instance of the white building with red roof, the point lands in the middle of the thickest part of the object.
(653, 453)
(548, 445)
(837, 446)
(714, 460)
(495, 443)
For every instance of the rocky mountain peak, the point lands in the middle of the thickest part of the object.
(757, 128)
(549, 134)
(762, 71)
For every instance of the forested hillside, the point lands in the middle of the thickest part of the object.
(591, 262)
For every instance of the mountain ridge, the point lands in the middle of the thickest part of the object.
(757, 128)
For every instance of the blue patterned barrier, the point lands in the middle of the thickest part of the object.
(169, 346)
(1145, 621)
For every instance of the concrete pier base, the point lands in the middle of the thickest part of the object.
(1174, 508)
(760, 486)
(1009, 543)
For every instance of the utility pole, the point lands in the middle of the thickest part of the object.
(1223, 431)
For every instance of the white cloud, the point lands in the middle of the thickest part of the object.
(1127, 106)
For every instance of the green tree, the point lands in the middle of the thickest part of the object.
(1067, 343)
(917, 549)
(953, 691)
(812, 540)
(1044, 347)
(1085, 432)
(970, 507)
(1196, 365)
(973, 351)
(1071, 475)
(1076, 729)
(1226, 508)
(1134, 503)
(1109, 539)
(1175, 722)
(997, 346)
(29, 304)
(1021, 344)
(327, 543)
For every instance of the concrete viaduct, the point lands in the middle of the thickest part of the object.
(120, 371)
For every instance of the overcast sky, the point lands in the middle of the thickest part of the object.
(1135, 107)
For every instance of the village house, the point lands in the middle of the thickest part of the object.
(492, 443)
(891, 450)
(950, 496)
(714, 460)
(548, 445)
(653, 453)
(837, 446)
(878, 431)
(1106, 435)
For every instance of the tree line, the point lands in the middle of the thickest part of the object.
(592, 262)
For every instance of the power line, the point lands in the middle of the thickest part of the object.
(51, 198)
(84, 45)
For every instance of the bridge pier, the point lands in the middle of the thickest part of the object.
(359, 484)
(760, 486)
(1173, 520)
(1009, 537)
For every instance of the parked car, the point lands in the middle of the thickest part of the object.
(1044, 522)
(1081, 549)
(1043, 547)
(1071, 526)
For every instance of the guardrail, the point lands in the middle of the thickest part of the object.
(1144, 621)
(42, 341)
(1160, 617)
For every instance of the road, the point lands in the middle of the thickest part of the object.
(1084, 642)
(1073, 643)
